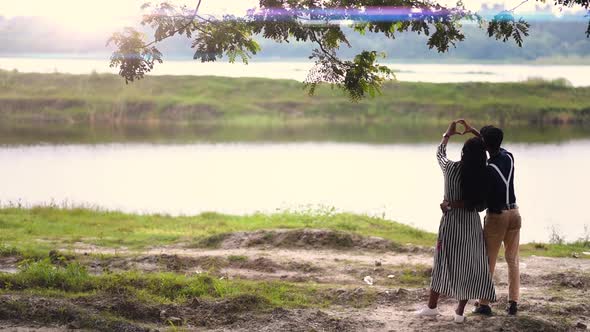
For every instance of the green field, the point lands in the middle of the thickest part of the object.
(33, 232)
(253, 102)
(46, 228)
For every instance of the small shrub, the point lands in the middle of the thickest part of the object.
(43, 274)
(347, 226)
(212, 241)
(541, 246)
(7, 251)
(584, 240)
(237, 258)
(555, 237)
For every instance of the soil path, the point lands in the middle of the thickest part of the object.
(551, 287)
(555, 291)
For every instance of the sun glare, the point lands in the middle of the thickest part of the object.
(77, 15)
(97, 16)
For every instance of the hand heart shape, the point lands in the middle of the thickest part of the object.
(461, 132)
(464, 125)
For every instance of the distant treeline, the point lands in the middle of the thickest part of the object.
(184, 99)
(561, 40)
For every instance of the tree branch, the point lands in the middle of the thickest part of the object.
(520, 4)
(182, 27)
(315, 39)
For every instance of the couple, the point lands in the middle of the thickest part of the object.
(465, 255)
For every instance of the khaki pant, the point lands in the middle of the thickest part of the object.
(498, 228)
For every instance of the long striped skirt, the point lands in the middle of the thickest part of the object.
(461, 267)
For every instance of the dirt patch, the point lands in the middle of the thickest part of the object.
(122, 304)
(258, 264)
(304, 267)
(9, 264)
(550, 302)
(184, 264)
(302, 238)
(568, 279)
(119, 313)
(58, 312)
(300, 320)
(23, 327)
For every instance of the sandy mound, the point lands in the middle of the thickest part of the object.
(301, 238)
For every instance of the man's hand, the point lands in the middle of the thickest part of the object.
(445, 206)
(468, 127)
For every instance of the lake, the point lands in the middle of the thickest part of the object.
(353, 168)
(378, 169)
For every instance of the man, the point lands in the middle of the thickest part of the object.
(502, 221)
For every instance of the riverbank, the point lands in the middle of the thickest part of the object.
(34, 232)
(99, 270)
(104, 98)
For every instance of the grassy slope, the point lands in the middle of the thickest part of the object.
(22, 227)
(37, 230)
(252, 101)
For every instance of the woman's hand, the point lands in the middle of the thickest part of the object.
(445, 206)
(452, 130)
(468, 127)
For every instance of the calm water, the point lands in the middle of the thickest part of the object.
(577, 75)
(401, 181)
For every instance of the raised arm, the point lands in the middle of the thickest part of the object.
(441, 153)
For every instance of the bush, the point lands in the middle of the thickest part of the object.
(43, 274)
(6, 250)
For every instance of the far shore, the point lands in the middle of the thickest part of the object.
(105, 98)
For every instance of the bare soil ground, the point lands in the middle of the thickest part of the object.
(555, 291)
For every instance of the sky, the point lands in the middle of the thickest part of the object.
(100, 15)
(92, 15)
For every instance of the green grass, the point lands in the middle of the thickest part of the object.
(237, 258)
(44, 278)
(556, 250)
(7, 250)
(256, 102)
(34, 232)
(125, 299)
(414, 275)
(44, 228)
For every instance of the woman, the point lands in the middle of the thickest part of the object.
(460, 263)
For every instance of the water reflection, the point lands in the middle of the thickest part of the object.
(161, 133)
(401, 181)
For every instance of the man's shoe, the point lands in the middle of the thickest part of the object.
(512, 308)
(482, 309)
(427, 312)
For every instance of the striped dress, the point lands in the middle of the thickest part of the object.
(461, 266)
